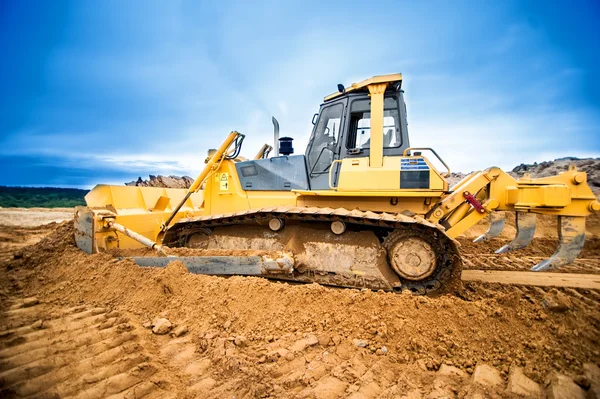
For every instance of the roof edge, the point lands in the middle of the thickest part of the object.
(392, 78)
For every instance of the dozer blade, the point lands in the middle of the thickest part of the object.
(525, 231)
(496, 227)
(225, 265)
(571, 237)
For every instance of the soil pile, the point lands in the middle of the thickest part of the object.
(163, 181)
(250, 337)
(544, 169)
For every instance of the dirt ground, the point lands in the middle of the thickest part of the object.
(74, 325)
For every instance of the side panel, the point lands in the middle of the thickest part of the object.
(397, 173)
(223, 192)
(283, 173)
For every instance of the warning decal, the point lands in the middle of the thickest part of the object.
(224, 182)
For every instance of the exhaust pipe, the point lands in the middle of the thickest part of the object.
(275, 136)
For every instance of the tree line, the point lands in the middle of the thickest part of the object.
(41, 197)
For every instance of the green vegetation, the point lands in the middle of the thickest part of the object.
(42, 197)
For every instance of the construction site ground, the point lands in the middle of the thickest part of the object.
(75, 325)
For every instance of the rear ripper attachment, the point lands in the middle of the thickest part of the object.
(360, 208)
(566, 195)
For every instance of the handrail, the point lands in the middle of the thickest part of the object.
(331, 170)
(434, 153)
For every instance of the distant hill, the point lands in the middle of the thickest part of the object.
(163, 181)
(41, 197)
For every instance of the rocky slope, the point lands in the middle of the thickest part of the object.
(550, 168)
(163, 181)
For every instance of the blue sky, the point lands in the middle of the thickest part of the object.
(106, 91)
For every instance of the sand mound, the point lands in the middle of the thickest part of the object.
(258, 338)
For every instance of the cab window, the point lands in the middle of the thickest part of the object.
(325, 139)
(360, 124)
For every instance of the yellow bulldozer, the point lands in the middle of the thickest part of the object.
(361, 207)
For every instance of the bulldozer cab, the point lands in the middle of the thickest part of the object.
(343, 129)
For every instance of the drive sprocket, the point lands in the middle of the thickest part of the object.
(426, 261)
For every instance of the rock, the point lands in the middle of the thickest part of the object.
(451, 371)
(440, 350)
(359, 343)
(563, 387)
(382, 351)
(147, 324)
(162, 326)
(556, 301)
(487, 376)
(240, 341)
(302, 344)
(179, 331)
(324, 339)
(520, 384)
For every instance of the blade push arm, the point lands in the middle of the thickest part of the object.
(211, 165)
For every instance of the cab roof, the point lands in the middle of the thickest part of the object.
(391, 79)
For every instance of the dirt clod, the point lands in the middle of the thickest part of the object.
(556, 301)
(161, 326)
(179, 331)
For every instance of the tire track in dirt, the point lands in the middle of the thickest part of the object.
(588, 281)
(78, 352)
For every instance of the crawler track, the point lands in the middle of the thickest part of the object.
(336, 270)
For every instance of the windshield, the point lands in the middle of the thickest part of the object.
(325, 138)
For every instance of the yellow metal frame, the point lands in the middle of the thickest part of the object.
(368, 183)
